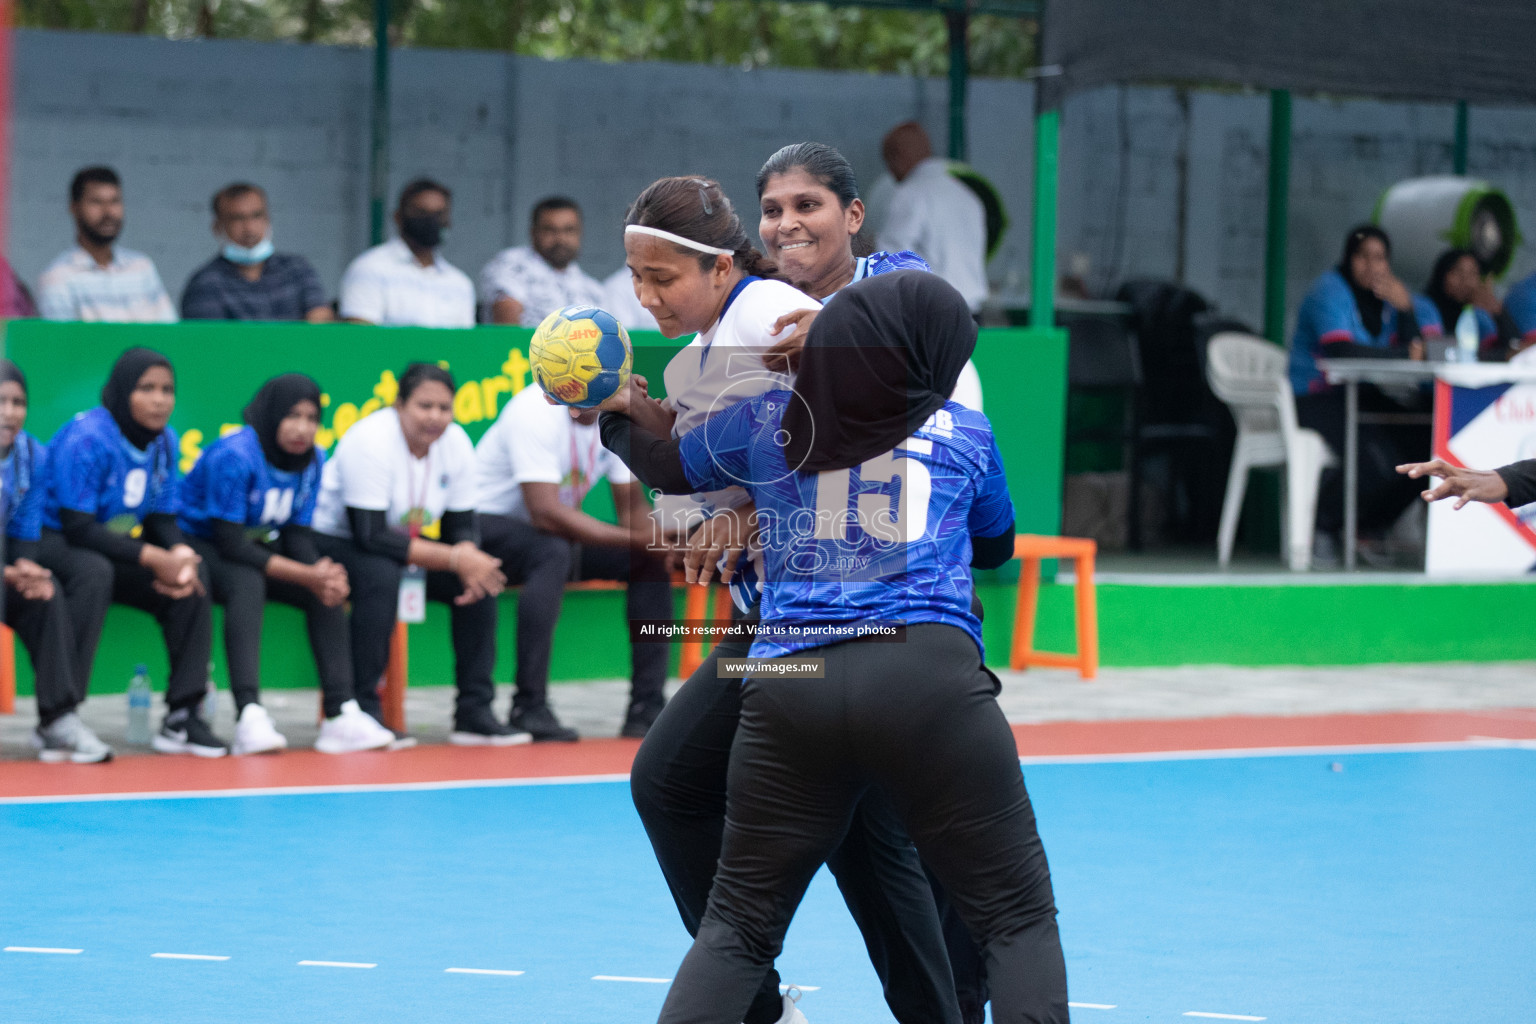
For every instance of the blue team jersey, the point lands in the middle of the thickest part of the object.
(1328, 313)
(92, 468)
(746, 585)
(1520, 304)
(233, 481)
(888, 541)
(19, 490)
(884, 262)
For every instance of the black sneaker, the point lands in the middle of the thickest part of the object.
(639, 721)
(543, 725)
(480, 729)
(185, 733)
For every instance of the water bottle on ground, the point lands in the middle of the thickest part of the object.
(1467, 336)
(210, 698)
(138, 706)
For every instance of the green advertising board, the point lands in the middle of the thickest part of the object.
(219, 365)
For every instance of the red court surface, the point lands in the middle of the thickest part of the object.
(444, 765)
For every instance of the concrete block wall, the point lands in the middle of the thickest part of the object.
(180, 119)
(1154, 181)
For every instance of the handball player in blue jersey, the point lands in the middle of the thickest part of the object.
(110, 534)
(696, 271)
(35, 606)
(876, 501)
(811, 224)
(247, 506)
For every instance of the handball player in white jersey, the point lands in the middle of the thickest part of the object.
(696, 271)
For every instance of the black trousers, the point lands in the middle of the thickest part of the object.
(92, 582)
(542, 564)
(1384, 492)
(678, 782)
(244, 591)
(375, 581)
(44, 630)
(917, 721)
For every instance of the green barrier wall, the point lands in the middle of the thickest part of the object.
(220, 365)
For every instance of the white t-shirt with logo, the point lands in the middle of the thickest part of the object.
(533, 442)
(372, 468)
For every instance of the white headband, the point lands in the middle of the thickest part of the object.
(688, 243)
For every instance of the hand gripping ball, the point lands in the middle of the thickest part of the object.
(581, 355)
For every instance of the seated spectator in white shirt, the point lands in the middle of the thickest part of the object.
(96, 280)
(619, 298)
(535, 465)
(526, 283)
(933, 214)
(404, 282)
(247, 280)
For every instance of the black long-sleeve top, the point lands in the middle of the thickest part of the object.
(1520, 478)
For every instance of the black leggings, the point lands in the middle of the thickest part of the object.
(93, 582)
(917, 721)
(1384, 492)
(244, 590)
(678, 781)
(44, 630)
(375, 582)
(542, 564)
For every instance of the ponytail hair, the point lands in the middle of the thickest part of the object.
(697, 209)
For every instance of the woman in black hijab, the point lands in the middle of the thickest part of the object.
(1361, 310)
(247, 505)
(110, 534)
(870, 399)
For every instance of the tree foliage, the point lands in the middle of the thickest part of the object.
(739, 33)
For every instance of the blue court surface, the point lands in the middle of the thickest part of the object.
(1324, 888)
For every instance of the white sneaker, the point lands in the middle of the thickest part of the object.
(352, 730)
(67, 738)
(255, 733)
(792, 1014)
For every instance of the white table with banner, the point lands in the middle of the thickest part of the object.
(1485, 417)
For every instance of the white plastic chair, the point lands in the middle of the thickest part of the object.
(1249, 375)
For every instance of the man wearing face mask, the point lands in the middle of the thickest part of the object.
(247, 280)
(404, 282)
(97, 280)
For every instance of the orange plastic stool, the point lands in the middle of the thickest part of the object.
(7, 671)
(1030, 549)
(702, 603)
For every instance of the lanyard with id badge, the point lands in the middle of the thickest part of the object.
(411, 606)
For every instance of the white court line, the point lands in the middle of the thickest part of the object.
(1238, 752)
(379, 787)
(333, 963)
(801, 988)
(1223, 1016)
(1471, 743)
(186, 956)
(1092, 1006)
(480, 970)
(40, 949)
(644, 981)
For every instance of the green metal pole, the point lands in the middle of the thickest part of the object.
(1459, 147)
(959, 77)
(1278, 216)
(378, 163)
(1042, 297)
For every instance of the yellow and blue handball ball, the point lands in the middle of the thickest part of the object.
(581, 355)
